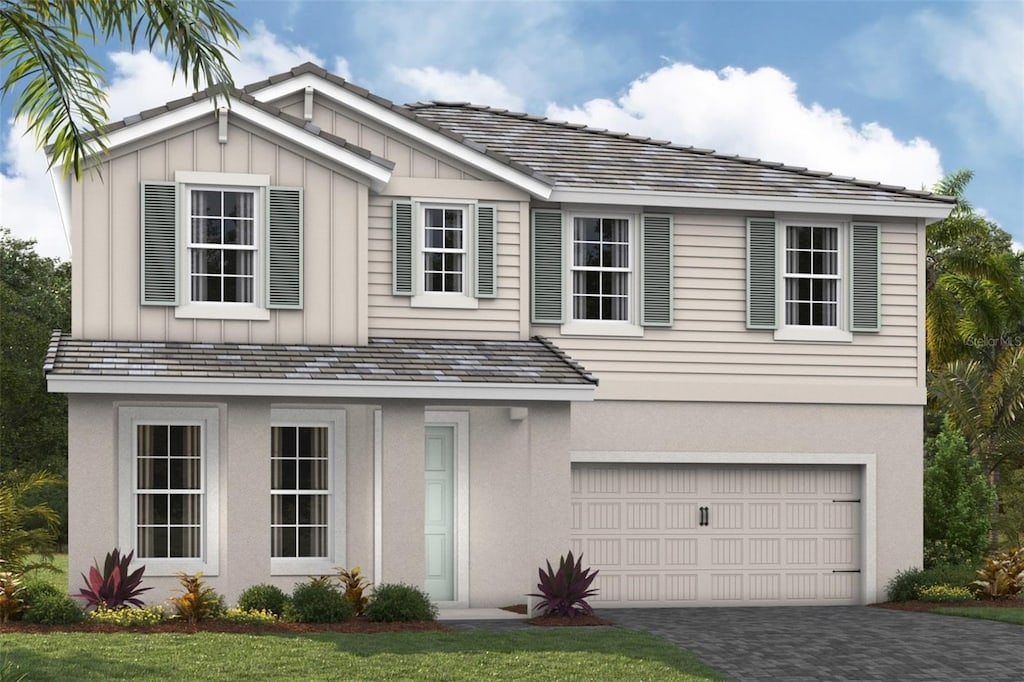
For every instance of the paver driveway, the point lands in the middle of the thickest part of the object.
(797, 644)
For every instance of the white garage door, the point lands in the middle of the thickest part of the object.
(680, 535)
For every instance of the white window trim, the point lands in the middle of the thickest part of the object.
(629, 327)
(841, 332)
(128, 418)
(188, 180)
(437, 299)
(334, 420)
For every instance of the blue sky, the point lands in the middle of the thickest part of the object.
(900, 92)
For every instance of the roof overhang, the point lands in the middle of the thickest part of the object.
(931, 211)
(372, 170)
(413, 129)
(319, 388)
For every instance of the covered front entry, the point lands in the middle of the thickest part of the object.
(704, 535)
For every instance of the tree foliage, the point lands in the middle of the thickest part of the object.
(957, 501)
(26, 528)
(60, 89)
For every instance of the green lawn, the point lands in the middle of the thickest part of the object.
(1015, 616)
(541, 654)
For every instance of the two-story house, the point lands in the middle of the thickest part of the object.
(445, 343)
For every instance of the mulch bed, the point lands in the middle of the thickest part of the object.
(354, 626)
(930, 605)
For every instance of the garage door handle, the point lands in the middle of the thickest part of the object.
(703, 516)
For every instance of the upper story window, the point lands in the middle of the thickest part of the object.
(602, 266)
(444, 249)
(812, 276)
(444, 252)
(221, 245)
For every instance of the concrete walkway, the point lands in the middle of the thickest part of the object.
(798, 644)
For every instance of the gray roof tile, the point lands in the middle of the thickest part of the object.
(535, 361)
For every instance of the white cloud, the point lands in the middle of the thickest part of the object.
(985, 52)
(1018, 246)
(435, 84)
(138, 81)
(758, 114)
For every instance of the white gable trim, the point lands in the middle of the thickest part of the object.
(461, 151)
(319, 388)
(930, 210)
(375, 173)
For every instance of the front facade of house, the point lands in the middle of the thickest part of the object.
(445, 343)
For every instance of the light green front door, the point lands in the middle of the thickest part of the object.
(439, 516)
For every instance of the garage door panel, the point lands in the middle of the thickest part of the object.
(771, 535)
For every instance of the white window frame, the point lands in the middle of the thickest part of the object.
(334, 420)
(628, 327)
(440, 299)
(840, 333)
(240, 182)
(207, 418)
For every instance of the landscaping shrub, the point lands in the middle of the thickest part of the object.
(564, 592)
(907, 585)
(256, 616)
(116, 586)
(397, 602)
(53, 608)
(127, 618)
(319, 602)
(958, 502)
(263, 598)
(1001, 575)
(354, 586)
(945, 593)
(12, 596)
(197, 600)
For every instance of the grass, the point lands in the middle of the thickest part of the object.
(58, 578)
(1015, 616)
(548, 654)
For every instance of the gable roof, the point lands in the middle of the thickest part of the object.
(581, 159)
(385, 368)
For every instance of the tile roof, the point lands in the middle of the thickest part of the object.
(533, 362)
(576, 156)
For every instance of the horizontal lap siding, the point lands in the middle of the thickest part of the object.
(394, 315)
(709, 341)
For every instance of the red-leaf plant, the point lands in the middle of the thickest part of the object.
(564, 592)
(116, 587)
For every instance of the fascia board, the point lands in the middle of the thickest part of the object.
(752, 202)
(416, 131)
(318, 388)
(377, 175)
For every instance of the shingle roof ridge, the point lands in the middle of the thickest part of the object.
(751, 161)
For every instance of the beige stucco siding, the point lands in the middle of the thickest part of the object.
(887, 438)
(106, 267)
(709, 354)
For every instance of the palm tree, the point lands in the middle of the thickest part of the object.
(59, 88)
(26, 528)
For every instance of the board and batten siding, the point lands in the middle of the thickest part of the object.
(496, 318)
(105, 301)
(708, 353)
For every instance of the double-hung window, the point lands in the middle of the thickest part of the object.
(168, 487)
(221, 245)
(444, 252)
(307, 486)
(813, 279)
(602, 268)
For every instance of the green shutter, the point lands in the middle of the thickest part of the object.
(159, 239)
(656, 271)
(284, 247)
(401, 248)
(864, 276)
(762, 280)
(486, 256)
(547, 267)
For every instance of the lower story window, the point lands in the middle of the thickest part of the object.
(169, 491)
(300, 492)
